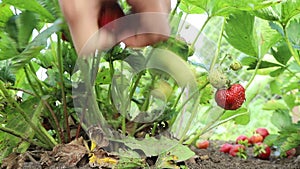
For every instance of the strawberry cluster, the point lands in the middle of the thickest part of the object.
(260, 149)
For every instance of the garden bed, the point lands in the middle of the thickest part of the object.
(204, 158)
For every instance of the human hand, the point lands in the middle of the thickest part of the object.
(82, 19)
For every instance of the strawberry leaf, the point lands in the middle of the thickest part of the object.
(31, 5)
(239, 32)
(281, 118)
(281, 53)
(270, 13)
(289, 9)
(226, 7)
(5, 13)
(190, 8)
(293, 31)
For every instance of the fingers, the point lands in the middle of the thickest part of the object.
(144, 40)
(150, 6)
(153, 23)
(81, 18)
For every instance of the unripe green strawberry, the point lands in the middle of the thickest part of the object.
(236, 65)
(217, 78)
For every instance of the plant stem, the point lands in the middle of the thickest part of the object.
(199, 33)
(135, 84)
(223, 121)
(62, 86)
(145, 106)
(30, 82)
(192, 95)
(214, 61)
(181, 27)
(58, 128)
(37, 95)
(22, 90)
(38, 82)
(154, 128)
(19, 135)
(200, 132)
(178, 98)
(193, 112)
(255, 72)
(175, 9)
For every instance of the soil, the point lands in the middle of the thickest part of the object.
(209, 158)
(212, 158)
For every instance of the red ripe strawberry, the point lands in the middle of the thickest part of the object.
(231, 98)
(262, 131)
(238, 150)
(243, 140)
(202, 144)
(262, 151)
(290, 153)
(256, 138)
(225, 148)
(110, 11)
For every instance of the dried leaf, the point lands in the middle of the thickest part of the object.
(70, 154)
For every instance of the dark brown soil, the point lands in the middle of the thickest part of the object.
(212, 158)
(209, 158)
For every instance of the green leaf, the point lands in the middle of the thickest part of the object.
(268, 36)
(271, 139)
(33, 49)
(242, 114)
(270, 13)
(5, 14)
(275, 105)
(6, 75)
(182, 152)
(239, 32)
(153, 147)
(275, 87)
(103, 77)
(277, 27)
(294, 67)
(281, 118)
(17, 123)
(26, 22)
(263, 65)
(290, 100)
(226, 7)
(31, 5)
(289, 9)
(293, 32)
(247, 60)
(52, 7)
(8, 47)
(281, 53)
(190, 8)
(277, 72)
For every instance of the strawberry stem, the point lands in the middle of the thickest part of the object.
(214, 61)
